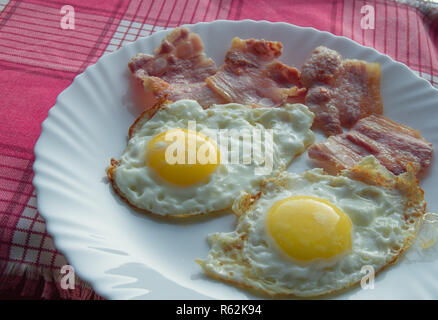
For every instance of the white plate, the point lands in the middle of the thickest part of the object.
(124, 254)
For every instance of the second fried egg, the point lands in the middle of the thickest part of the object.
(312, 234)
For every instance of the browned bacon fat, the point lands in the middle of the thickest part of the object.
(340, 91)
(252, 75)
(177, 70)
(393, 144)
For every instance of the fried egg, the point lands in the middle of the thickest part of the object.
(146, 178)
(312, 234)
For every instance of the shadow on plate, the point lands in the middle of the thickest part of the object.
(152, 283)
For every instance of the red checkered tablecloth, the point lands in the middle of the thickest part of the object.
(39, 59)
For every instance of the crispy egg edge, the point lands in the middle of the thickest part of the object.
(141, 119)
(368, 171)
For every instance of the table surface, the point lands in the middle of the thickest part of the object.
(44, 45)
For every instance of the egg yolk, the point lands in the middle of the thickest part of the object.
(182, 157)
(307, 228)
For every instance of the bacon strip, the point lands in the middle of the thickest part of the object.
(177, 70)
(340, 91)
(393, 144)
(252, 75)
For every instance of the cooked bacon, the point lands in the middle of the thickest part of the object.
(393, 144)
(252, 75)
(340, 91)
(177, 69)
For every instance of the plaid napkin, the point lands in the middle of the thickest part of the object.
(44, 45)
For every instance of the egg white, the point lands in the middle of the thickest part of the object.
(138, 184)
(386, 215)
